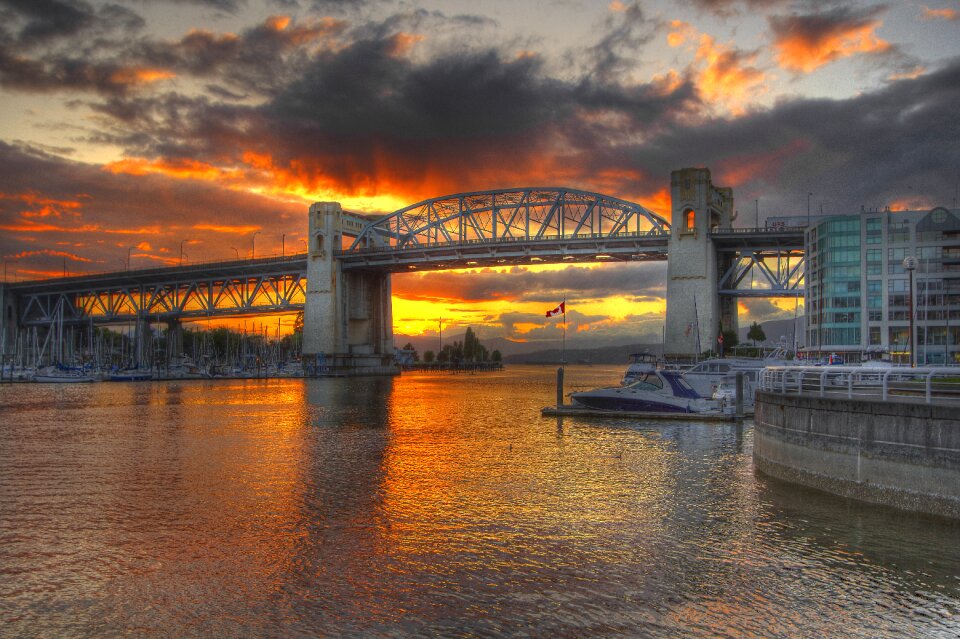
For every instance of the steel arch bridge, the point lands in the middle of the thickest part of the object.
(508, 226)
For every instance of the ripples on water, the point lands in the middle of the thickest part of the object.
(429, 505)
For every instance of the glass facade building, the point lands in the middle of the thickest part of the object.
(857, 295)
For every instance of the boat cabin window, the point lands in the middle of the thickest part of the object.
(647, 381)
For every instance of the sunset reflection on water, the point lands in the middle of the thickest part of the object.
(429, 504)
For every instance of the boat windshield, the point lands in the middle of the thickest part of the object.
(647, 381)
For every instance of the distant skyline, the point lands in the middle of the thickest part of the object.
(137, 129)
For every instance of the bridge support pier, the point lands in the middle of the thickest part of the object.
(174, 338)
(695, 311)
(8, 323)
(347, 317)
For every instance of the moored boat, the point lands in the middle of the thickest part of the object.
(64, 375)
(651, 391)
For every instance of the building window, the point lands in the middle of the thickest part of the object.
(874, 335)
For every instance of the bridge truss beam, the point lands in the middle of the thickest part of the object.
(772, 273)
(509, 215)
(250, 287)
(623, 248)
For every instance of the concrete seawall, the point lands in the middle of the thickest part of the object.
(899, 454)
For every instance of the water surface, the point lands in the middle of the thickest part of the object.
(430, 505)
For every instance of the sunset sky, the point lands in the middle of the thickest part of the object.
(134, 128)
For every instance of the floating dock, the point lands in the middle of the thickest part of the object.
(568, 410)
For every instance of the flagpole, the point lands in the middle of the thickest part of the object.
(563, 346)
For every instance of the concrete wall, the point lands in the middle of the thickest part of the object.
(898, 454)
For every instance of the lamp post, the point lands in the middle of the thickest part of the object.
(128, 256)
(808, 209)
(757, 203)
(253, 246)
(909, 265)
(181, 251)
(5, 262)
(283, 239)
(236, 252)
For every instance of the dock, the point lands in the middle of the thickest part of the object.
(568, 410)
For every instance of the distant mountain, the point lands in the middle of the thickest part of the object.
(777, 331)
(600, 355)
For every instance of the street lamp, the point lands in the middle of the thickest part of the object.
(236, 251)
(181, 251)
(910, 264)
(5, 262)
(808, 209)
(283, 238)
(128, 256)
(253, 249)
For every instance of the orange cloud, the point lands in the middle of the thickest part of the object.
(682, 32)
(278, 23)
(224, 228)
(42, 206)
(180, 168)
(402, 43)
(806, 43)
(729, 77)
(36, 227)
(133, 76)
(724, 75)
(939, 14)
(72, 256)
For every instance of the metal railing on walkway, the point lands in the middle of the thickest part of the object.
(931, 385)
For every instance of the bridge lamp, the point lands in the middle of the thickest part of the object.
(253, 246)
(236, 252)
(909, 265)
(128, 256)
(181, 251)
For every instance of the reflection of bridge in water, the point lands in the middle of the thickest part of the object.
(343, 282)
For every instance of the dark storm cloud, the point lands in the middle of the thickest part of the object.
(366, 90)
(32, 22)
(261, 59)
(230, 6)
(869, 149)
(625, 33)
(731, 7)
(45, 19)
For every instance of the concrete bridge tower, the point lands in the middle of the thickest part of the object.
(695, 311)
(348, 316)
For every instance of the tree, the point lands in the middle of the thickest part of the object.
(471, 346)
(730, 339)
(756, 334)
(428, 357)
(496, 357)
(409, 347)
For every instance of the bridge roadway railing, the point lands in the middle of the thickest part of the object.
(927, 385)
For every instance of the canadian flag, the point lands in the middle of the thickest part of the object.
(558, 310)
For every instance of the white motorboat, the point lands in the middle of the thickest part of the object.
(651, 391)
(640, 364)
(707, 375)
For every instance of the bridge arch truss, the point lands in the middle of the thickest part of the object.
(509, 225)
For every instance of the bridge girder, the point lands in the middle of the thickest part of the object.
(250, 287)
(509, 215)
